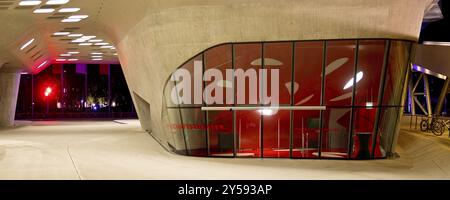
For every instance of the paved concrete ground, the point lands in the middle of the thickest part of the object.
(109, 150)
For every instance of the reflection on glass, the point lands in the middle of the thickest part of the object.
(279, 56)
(364, 121)
(220, 133)
(336, 124)
(396, 72)
(308, 73)
(276, 129)
(248, 133)
(248, 56)
(219, 58)
(370, 62)
(306, 134)
(195, 131)
(311, 133)
(175, 133)
(339, 70)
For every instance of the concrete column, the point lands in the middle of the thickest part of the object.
(9, 87)
(441, 100)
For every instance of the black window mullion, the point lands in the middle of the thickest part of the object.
(353, 109)
(291, 113)
(381, 95)
(322, 97)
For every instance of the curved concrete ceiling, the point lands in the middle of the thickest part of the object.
(108, 19)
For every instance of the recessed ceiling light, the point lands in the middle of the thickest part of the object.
(97, 56)
(61, 60)
(88, 37)
(78, 16)
(73, 52)
(70, 20)
(26, 44)
(96, 40)
(85, 44)
(106, 47)
(113, 48)
(41, 65)
(29, 3)
(69, 10)
(78, 41)
(75, 35)
(44, 10)
(101, 44)
(115, 54)
(61, 33)
(97, 59)
(66, 55)
(57, 2)
(73, 59)
(97, 53)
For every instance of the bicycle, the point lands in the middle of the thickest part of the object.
(436, 126)
(444, 124)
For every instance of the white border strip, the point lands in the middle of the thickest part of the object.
(264, 108)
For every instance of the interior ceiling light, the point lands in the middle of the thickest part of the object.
(96, 53)
(97, 59)
(29, 3)
(26, 44)
(359, 77)
(57, 2)
(73, 59)
(61, 60)
(69, 10)
(75, 35)
(61, 33)
(101, 44)
(78, 17)
(85, 44)
(97, 56)
(113, 48)
(66, 55)
(73, 52)
(266, 112)
(44, 10)
(70, 20)
(41, 65)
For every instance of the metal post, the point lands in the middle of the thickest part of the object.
(427, 93)
(441, 100)
(411, 97)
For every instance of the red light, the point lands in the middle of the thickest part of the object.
(48, 91)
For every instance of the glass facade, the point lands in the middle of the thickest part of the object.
(75, 91)
(357, 84)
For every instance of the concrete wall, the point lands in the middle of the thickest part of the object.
(9, 87)
(172, 31)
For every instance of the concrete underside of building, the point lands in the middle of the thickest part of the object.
(121, 150)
